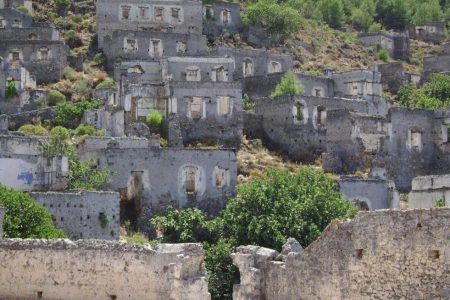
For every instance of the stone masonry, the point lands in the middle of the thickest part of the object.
(378, 255)
(94, 269)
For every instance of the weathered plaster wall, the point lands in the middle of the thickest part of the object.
(214, 23)
(370, 193)
(426, 190)
(378, 255)
(62, 269)
(84, 215)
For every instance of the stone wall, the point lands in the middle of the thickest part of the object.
(112, 122)
(297, 125)
(378, 255)
(397, 45)
(430, 32)
(62, 269)
(33, 116)
(370, 193)
(84, 215)
(435, 64)
(427, 190)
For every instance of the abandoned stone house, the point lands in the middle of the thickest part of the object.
(203, 178)
(426, 191)
(436, 64)
(221, 17)
(34, 46)
(430, 32)
(403, 145)
(28, 4)
(23, 167)
(396, 44)
(394, 75)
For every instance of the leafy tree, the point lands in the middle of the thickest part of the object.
(383, 55)
(30, 129)
(331, 12)
(155, 121)
(363, 16)
(266, 212)
(428, 11)
(434, 94)
(438, 87)
(289, 85)
(11, 90)
(276, 18)
(56, 97)
(393, 14)
(26, 218)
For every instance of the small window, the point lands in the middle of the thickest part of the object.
(143, 12)
(17, 23)
(416, 139)
(159, 14)
(175, 13)
(318, 92)
(15, 56)
(354, 88)
(298, 112)
(224, 105)
(219, 74)
(196, 108)
(156, 48)
(321, 115)
(226, 16)
(131, 45)
(2, 22)
(221, 177)
(208, 12)
(248, 67)
(181, 47)
(193, 74)
(274, 67)
(190, 183)
(32, 36)
(125, 12)
(43, 53)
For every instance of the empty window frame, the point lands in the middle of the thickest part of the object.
(219, 74)
(221, 177)
(190, 179)
(144, 12)
(159, 13)
(196, 108)
(14, 56)
(175, 13)
(225, 16)
(156, 49)
(274, 67)
(224, 105)
(125, 12)
(208, 12)
(299, 113)
(354, 91)
(130, 45)
(416, 139)
(193, 74)
(321, 115)
(247, 67)
(43, 53)
(181, 47)
(2, 22)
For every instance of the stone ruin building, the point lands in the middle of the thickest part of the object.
(430, 32)
(396, 44)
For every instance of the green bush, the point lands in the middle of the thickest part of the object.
(247, 103)
(108, 83)
(26, 218)
(383, 55)
(70, 114)
(30, 129)
(83, 88)
(363, 16)
(55, 97)
(289, 86)
(23, 9)
(62, 3)
(87, 130)
(11, 90)
(428, 11)
(155, 120)
(265, 212)
(276, 18)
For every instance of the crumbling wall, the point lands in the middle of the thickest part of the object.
(112, 122)
(384, 254)
(298, 125)
(84, 215)
(93, 269)
(435, 64)
(430, 32)
(370, 193)
(221, 17)
(33, 116)
(427, 190)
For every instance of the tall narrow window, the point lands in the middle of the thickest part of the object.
(125, 12)
(221, 178)
(321, 115)
(190, 183)
(43, 53)
(2, 22)
(175, 13)
(248, 67)
(159, 14)
(196, 107)
(155, 48)
(224, 105)
(219, 74)
(226, 16)
(143, 12)
(416, 139)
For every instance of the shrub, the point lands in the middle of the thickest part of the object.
(87, 130)
(77, 18)
(289, 86)
(70, 73)
(62, 3)
(69, 114)
(83, 87)
(428, 11)
(23, 9)
(108, 83)
(26, 218)
(30, 129)
(11, 90)
(155, 120)
(72, 39)
(375, 27)
(247, 103)
(383, 55)
(55, 97)
(440, 203)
